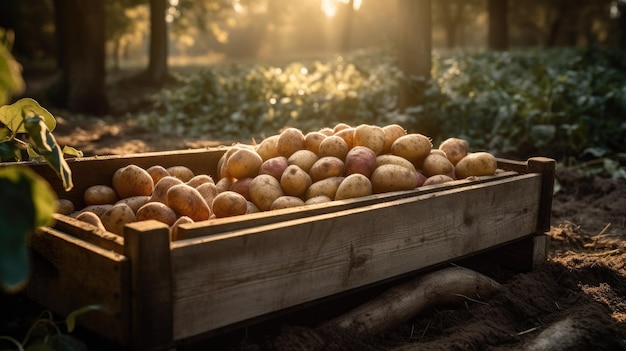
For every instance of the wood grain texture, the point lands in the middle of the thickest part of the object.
(89, 233)
(68, 273)
(230, 277)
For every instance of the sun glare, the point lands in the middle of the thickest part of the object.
(329, 7)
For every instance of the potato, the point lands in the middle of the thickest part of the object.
(135, 202)
(208, 191)
(326, 187)
(303, 159)
(132, 180)
(312, 141)
(318, 200)
(327, 131)
(455, 149)
(274, 166)
(347, 135)
(370, 136)
(392, 132)
(391, 177)
(360, 159)
(174, 231)
(99, 194)
(157, 172)
(394, 160)
(421, 178)
(181, 172)
(222, 171)
(65, 207)
(267, 148)
(436, 163)
(476, 164)
(354, 185)
(286, 202)
(224, 184)
(228, 204)
(99, 210)
(326, 167)
(200, 179)
(187, 201)
(244, 163)
(340, 126)
(295, 181)
(437, 179)
(115, 218)
(333, 146)
(157, 211)
(289, 141)
(91, 218)
(242, 187)
(413, 147)
(252, 208)
(160, 189)
(264, 189)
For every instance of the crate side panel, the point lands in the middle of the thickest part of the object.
(235, 276)
(68, 273)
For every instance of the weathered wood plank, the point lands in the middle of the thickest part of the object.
(68, 273)
(89, 233)
(230, 277)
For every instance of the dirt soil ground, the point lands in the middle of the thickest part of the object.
(581, 288)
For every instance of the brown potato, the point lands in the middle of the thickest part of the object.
(340, 126)
(325, 187)
(135, 202)
(65, 207)
(455, 149)
(437, 179)
(208, 191)
(347, 135)
(295, 181)
(327, 167)
(181, 172)
(157, 211)
(327, 131)
(317, 200)
(476, 164)
(274, 166)
(160, 189)
(252, 208)
(222, 170)
(187, 201)
(413, 147)
(228, 204)
(224, 184)
(157, 172)
(354, 185)
(264, 189)
(394, 160)
(132, 180)
(174, 231)
(99, 194)
(91, 218)
(267, 148)
(333, 146)
(286, 201)
(435, 164)
(392, 132)
(370, 136)
(391, 177)
(312, 141)
(360, 159)
(200, 179)
(97, 209)
(244, 163)
(303, 159)
(289, 141)
(115, 218)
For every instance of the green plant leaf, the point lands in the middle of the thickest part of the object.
(10, 151)
(28, 202)
(17, 344)
(46, 146)
(71, 318)
(13, 116)
(68, 150)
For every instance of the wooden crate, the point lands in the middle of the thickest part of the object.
(231, 271)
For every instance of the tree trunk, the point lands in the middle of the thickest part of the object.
(157, 72)
(621, 25)
(346, 34)
(498, 25)
(414, 50)
(80, 29)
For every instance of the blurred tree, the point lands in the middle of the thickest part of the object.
(620, 15)
(80, 29)
(498, 32)
(414, 50)
(451, 14)
(349, 12)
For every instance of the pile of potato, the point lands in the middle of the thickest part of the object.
(285, 170)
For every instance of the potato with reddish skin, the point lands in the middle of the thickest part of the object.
(229, 204)
(264, 189)
(200, 179)
(181, 172)
(392, 132)
(295, 181)
(115, 218)
(455, 149)
(286, 201)
(435, 164)
(274, 166)
(325, 187)
(413, 147)
(327, 167)
(476, 164)
(157, 211)
(174, 231)
(303, 159)
(360, 159)
(157, 172)
(132, 180)
(187, 201)
(242, 186)
(354, 185)
(267, 148)
(160, 189)
(371, 136)
(312, 141)
(91, 218)
(289, 141)
(243, 163)
(347, 135)
(333, 146)
(391, 177)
